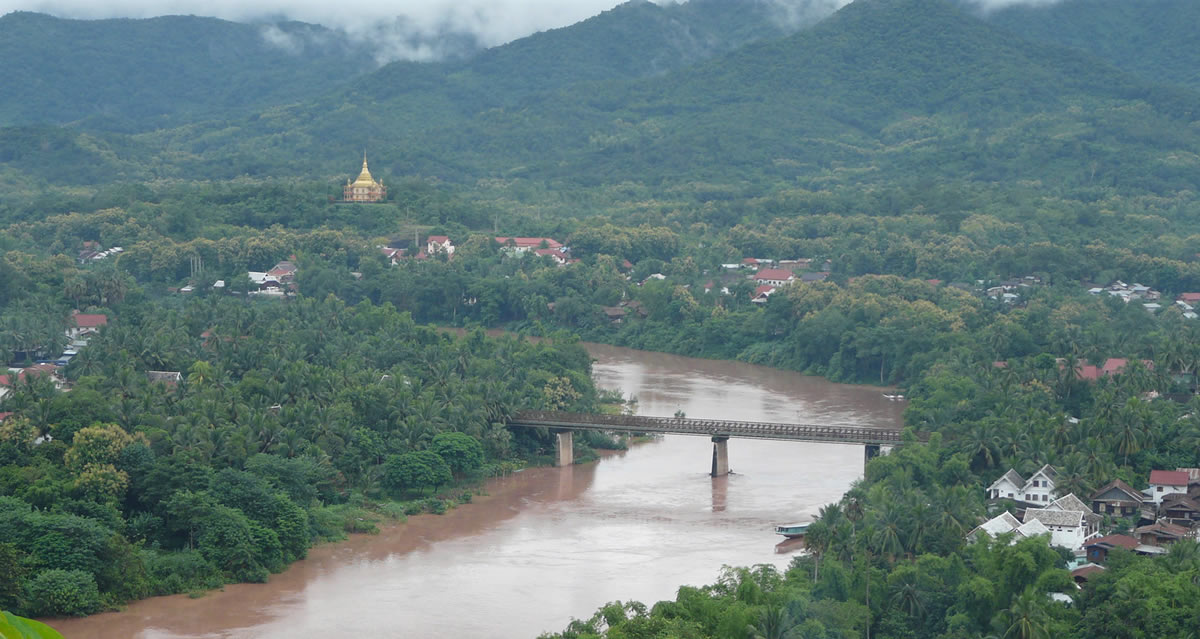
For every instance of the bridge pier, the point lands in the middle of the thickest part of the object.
(720, 456)
(870, 451)
(566, 448)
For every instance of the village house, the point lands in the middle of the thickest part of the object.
(1070, 502)
(84, 325)
(774, 277)
(760, 294)
(1068, 528)
(1162, 532)
(1081, 574)
(1180, 509)
(1111, 366)
(1166, 482)
(526, 244)
(555, 254)
(1038, 489)
(435, 244)
(1005, 523)
(615, 314)
(1097, 549)
(1118, 499)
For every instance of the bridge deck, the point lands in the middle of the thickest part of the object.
(707, 427)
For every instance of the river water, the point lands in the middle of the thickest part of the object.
(549, 544)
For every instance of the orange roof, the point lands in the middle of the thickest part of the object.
(774, 274)
(530, 242)
(86, 320)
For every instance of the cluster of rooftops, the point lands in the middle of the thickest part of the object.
(1166, 511)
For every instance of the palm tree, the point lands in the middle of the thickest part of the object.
(908, 596)
(1131, 427)
(773, 623)
(1027, 617)
(888, 532)
(817, 540)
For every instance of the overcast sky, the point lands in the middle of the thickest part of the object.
(491, 21)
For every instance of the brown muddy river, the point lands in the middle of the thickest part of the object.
(550, 544)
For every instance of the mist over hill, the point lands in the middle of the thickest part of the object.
(710, 91)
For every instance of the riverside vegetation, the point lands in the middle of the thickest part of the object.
(902, 140)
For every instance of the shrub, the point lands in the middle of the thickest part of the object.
(62, 593)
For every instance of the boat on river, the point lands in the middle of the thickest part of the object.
(893, 397)
(792, 531)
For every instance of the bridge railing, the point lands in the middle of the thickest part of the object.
(708, 427)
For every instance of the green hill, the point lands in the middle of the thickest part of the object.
(136, 75)
(883, 91)
(1154, 39)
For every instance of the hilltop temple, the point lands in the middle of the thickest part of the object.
(365, 188)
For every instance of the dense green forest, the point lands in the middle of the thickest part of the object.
(923, 161)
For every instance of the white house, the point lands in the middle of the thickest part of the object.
(1038, 489)
(1166, 482)
(435, 244)
(1071, 503)
(1010, 486)
(1068, 529)
(1006, 523)
(774, 277)
(85, 325)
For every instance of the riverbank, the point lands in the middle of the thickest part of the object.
(520, 562)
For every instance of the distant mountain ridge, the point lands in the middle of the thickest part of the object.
(137, 75)
(883, 91)
(1154, 39)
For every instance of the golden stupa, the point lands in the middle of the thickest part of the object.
(364, 188)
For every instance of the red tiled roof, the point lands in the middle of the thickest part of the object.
(1114, 365)
(1000, 364)
(774, 274)
(1189, 297)
(1124, 541)
(4, 416)
(88, 320)
(440, 239)
(1088, 372)
(1168, 478)
(765, 288)
(530, 242)
(1083, 572)
(749, 260)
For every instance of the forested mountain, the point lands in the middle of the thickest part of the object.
(136, 75)
(1154, 39)
(883, 90)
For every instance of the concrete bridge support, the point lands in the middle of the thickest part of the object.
(720, 456)
(870, 451)
(566, 448)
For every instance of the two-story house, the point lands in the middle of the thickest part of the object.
(1166, 482)
(1038, 489)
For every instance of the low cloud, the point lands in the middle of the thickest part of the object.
(403, 29)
